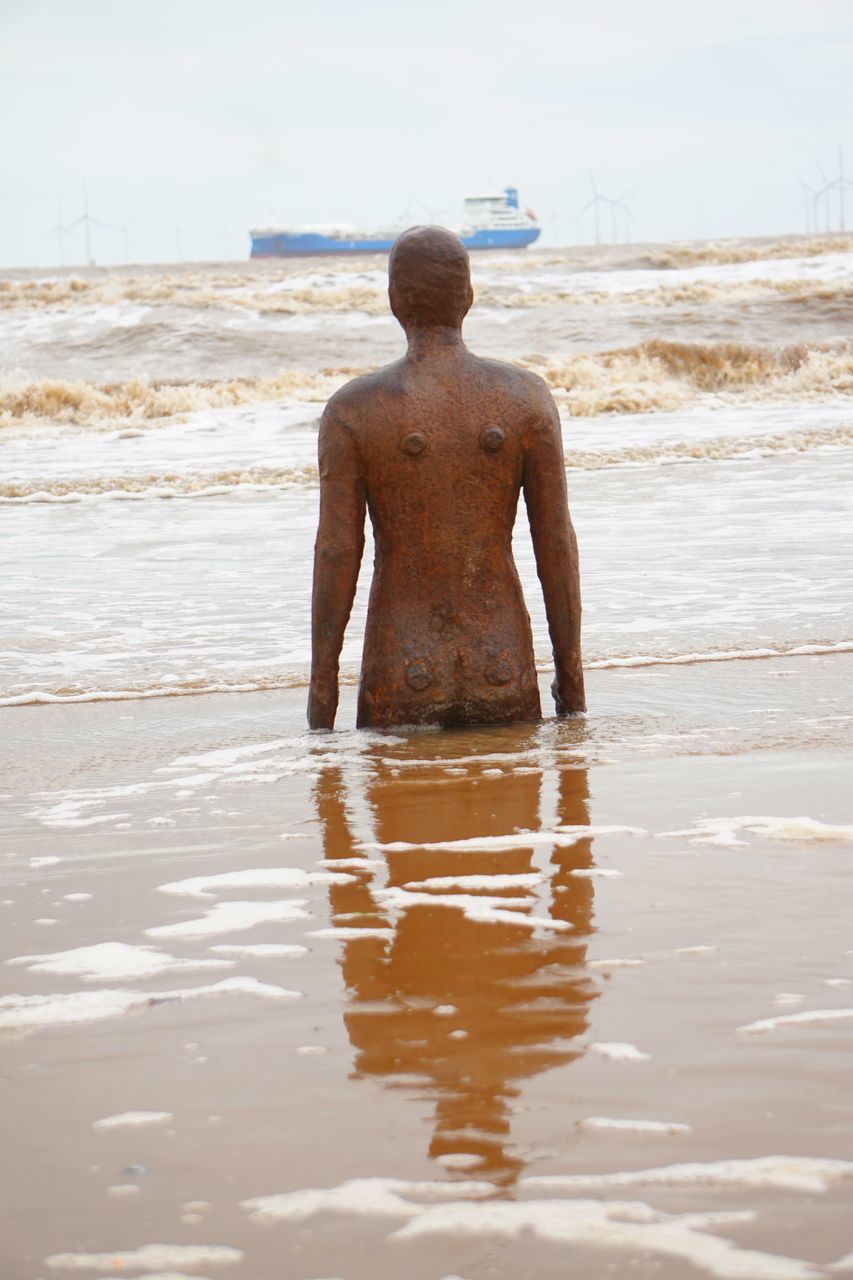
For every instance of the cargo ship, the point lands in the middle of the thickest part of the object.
(492, 221)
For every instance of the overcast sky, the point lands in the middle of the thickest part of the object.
(215, 116)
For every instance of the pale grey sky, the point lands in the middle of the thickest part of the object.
(212, 115)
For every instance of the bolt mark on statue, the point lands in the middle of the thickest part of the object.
(437, 447)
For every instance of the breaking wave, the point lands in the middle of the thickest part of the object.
(651, 376)
(53, 402)
(660, 375)
(690, 292)
(279, 294)
(724, 251)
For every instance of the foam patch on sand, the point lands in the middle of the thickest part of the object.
(371, 1197)
(618, 1051)
(167, 1275)
(521, 880)
(614, 1225)
(460, 1159)
(353, 864)
(113, 962)
(132, 1120)
(260, 949)
(807, 1017)
(27, 1013)
(253, 878)
(784, 1173)
(481, 908)
(634, 1126)
(597, 873)
(195, 1256)
(468, 1210)
(723, 831)
(562, 836)
(345, 934)
(233, 917)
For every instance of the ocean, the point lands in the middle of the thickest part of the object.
(518, 1002)
(705, 397)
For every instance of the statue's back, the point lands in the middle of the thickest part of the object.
(441, 447)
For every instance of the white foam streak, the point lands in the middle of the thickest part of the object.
(346, 934)
(26, 1013)
(372, 1197)
(784, 1173)
(519, 880)
(132, 1120)
(195, 1256)
(233, 917)
(561, 836)
(634, 1126)
(254, 878)
(630, 1226)
(466, 1209)
(481, 909)
(723, 831)
(113, 962)
(618, 1051)
(805, 1018)
(261, 950)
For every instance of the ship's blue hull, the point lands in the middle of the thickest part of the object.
(286, 244)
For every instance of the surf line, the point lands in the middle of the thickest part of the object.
(299, 680)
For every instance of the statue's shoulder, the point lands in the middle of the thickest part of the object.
(523, 384)
(361, 393)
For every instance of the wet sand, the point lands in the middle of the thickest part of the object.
(563, 959)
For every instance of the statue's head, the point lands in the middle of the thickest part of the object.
(429, 279)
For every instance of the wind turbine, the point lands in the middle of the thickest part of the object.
(617, 206)
(88, 222)
(59, 230)
(594, 204)
(622, 205)
(838, 184)
(124, 228)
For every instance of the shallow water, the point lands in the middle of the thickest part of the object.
(447, 1001)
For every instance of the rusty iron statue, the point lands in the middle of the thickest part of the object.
(437, 447)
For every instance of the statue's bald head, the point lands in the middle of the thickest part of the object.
(429, 279)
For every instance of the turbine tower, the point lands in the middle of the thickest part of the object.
(617, 205)
(595, 204)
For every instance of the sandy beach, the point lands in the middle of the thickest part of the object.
(535, 1001)
(443, 1002)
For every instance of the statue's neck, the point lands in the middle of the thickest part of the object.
(435, 340)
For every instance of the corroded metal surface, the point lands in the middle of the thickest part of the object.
(437, 447)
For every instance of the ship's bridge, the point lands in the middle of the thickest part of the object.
(495, 210)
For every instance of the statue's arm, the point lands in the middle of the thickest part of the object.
(337, 557)
(556, 550)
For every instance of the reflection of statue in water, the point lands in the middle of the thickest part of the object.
(438, 446)
(519, 997)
